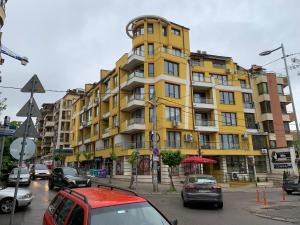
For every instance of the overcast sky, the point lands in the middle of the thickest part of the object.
(69, 41)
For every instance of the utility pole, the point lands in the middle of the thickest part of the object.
(6, 125)
(154, 172)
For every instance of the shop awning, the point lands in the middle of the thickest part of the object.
(199, 160)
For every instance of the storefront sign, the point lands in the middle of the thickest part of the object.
(282, 159)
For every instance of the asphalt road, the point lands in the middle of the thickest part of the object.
(235, 211)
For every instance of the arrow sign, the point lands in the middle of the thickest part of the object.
(31, 132)
(34, 83)
(35, 112)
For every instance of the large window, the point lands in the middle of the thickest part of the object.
(227, 98)
(219, 65)
(173, 113)
(176, 51)
(115, 81)
(265, 107)
(171, 68)
(172, 90)
(151, 69)
(139, 31)
(236, 164)
(247, 98)
(139, 50)
(150, 48)
(229, 119)
(280, 89)
(115, 101)
(268, 126)
(222, 79)
(150, 28)
(164, 31)
(115, 121)
(262, 88)
(286, 126)
(138, 140)
(229, 141)
(205, 141)
(198, 77)
(175, 31)
(173, 139)
(259, 142)
(250, 121)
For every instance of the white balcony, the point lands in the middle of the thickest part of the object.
(135, 58)
(87, 140)
(135, 125)
(105, 133)
(249, 107)
(49, 134)
(134, 79)
(266, 116)
(203, 104)
(49, 124)
(133, 102)
(106, 95)
(106, 115)
(202, 84)
(206, 126)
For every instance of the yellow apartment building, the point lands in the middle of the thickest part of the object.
(204, 107)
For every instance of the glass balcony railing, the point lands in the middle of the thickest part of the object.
(136, 97)
(202, 79)
(136, 120)
(207, 123)
(139, 74)
(249, 105)
(136, 52)
(203, 100)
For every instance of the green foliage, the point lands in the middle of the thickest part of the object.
(88, 155)
(133, 157)
(3, 105)
(171, 158)
(113, 156)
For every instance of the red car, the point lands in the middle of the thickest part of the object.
(102, 205)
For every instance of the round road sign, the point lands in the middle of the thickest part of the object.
(16, 147)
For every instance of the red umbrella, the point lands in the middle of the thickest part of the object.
(199, 160)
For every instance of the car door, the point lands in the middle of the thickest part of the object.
(62, 212)
(78, 216)
(57, 176)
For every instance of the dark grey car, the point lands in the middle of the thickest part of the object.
(291, 184)
(201, 189)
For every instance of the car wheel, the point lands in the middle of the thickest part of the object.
(50, 185)
(185, 203)
(6, 205)
(289, 192)
(33, 177)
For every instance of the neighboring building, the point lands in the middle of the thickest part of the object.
(2, 19)
(204, 106)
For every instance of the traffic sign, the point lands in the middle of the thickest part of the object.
(155, 151)
(31, 132)
(34, 83)
(35, 112)
(155, 158)
(7, 131)
(16, 147)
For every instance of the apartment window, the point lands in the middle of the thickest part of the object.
(272, 144)
(222, 79)
(89, 115)
(202, 119)
(115, 121)
(219, 65)
(175, 32)
(229, 119)
(197, 62)
(171, 68)
(250, 121)
(176, 51)
(259, 142)
(227, 98)
(106, 143)
(265, 107)
(247, 98)
(138, 140)
(205, 141)
(115, 101)
(96, 129)
(151, 69)
(283, 108)
(150, 49)
(120, 165)
(280, 89)
(115, 81)
(139, 50)
(243, 84)
(268, 126)
(138, 93)
(199, 77)
(262, 88)
(106, 86)
(139, 31)
(96, 111)
(174, 139)
(151, 91)
(150, 28)
(286, 126)
(164, 31)
(173, 113)
(172, 90)
(201, 98)
(229, 141)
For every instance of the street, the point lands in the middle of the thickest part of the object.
(236, 208)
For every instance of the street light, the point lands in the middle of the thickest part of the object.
(264, 53)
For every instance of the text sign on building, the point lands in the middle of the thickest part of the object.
(280, 159)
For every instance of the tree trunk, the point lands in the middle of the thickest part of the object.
(132, 178)
(171, 178)
(111, 172)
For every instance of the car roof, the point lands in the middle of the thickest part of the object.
(201, 176)
(103, 197)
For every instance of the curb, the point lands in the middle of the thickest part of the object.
(277, 218)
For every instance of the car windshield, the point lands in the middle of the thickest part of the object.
(70, 171)
(41, 167)
(202, 180)
(129, 214)
(23, 171)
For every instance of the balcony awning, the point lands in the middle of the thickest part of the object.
(199, 160)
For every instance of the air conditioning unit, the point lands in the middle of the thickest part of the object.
(188, 137)
(175, 123)
(228, 71)
(245, 135)
(234, 176)
(264, 151)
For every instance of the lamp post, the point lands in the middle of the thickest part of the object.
(288, 81)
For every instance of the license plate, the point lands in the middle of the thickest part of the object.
(203, 191)
(81, 185)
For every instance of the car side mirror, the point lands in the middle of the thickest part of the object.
(174, 222)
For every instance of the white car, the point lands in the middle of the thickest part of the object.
(24, 198)
(24, 176)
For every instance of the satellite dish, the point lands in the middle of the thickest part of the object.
(16, 147)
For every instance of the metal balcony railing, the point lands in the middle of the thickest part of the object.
(203, 100)
(136, 74)
(208, 145)
(204, 123)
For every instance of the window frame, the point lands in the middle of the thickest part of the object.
(229, 119)
(151, 68)
(150, 28)
(174, 139)
(171, 68)
(172, 90)
(173, 113)
(227, 95)
(262, 88)
(150, 49)
(175, 31)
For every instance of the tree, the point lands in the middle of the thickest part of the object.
(88, 156)
(113, 158)
(171, 159)
(133, 159)
(77, 156)
(2, 104)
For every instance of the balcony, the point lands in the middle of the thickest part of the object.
(249, 107)
(208, 145)
(134, 125)
(87, 139)
(134, 79)
(134, 145)
(206, 126)
(133, 102)
(203, 83)
(292, 116)
(49, 134)
(266, 116)
(106, 115)
(89, 123)
(135, 58)
(105, 133)
(106, 95)
(285, 98)
(246, 88)
(203, 104)
(49, 124)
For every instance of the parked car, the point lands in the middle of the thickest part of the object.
(201, 189)
(24, 177)
(291, 184)
(67, 177)
(24, 198)
(102, 205)
(39, 171)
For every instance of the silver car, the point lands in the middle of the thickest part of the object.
(24, 198)
(39, 171)
(24, 177)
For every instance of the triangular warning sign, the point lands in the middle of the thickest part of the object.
(31, 131)
(35, 112)
(35, 84)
